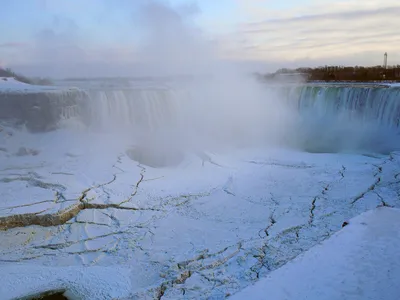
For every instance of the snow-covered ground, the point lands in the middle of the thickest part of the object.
(10, 85)
(203, 229)
(359, 262)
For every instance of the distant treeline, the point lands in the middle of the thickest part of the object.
(37, 80)
(340, 73)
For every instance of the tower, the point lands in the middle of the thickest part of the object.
(385, 60)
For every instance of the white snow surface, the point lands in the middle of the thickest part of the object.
(11, 85)
(194, 231)
(23, 280)
(360, 262)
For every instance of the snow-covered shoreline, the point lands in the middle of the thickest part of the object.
(10, 85)
(359, 262)
(200, 229)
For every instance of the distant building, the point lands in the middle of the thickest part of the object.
(385, 60)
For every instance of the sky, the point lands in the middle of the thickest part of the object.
(87, 37)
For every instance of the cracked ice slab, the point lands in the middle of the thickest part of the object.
(359, 262)
(197, 230)
(53, 180)
(23, 280)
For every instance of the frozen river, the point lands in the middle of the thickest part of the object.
(202, 229)
(83, 213)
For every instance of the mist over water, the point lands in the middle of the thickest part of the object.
(338, 134)
(218, 106)
(209, 104)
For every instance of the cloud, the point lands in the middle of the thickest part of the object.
(347, 16)
(333, 31)
(161, 36)
(171, 42)
(120, 33)
(60, 44)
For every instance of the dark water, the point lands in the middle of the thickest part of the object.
(48, 295)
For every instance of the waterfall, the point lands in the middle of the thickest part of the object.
(365, 104)
(310, 116)
(41, 110)
(151, 109)
(136, 109)
(339, 118)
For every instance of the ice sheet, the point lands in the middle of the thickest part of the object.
(201, 229)
(359, 262)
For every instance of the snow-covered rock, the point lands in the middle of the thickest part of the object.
(10, 84)
(360, 262)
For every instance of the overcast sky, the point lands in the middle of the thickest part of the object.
(86, 37)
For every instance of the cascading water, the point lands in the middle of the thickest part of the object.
(147, 122)
(41, 111)
(316, 118)
(378, 105)
(134, 109)
(344, 118)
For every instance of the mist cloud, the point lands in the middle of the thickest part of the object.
(172, 44)
(83, 38)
